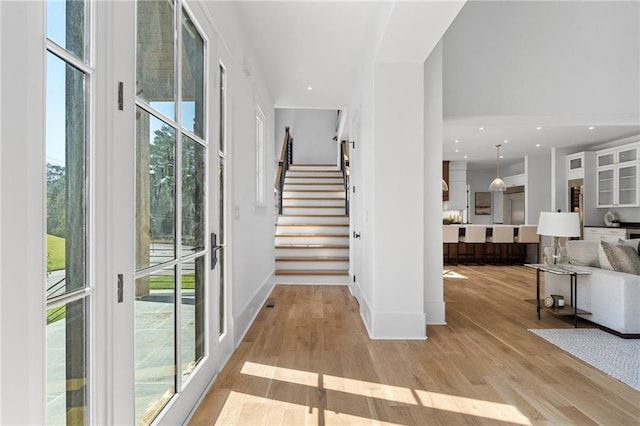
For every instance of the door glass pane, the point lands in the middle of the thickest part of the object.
(223, 108)
(66, 206)
(627, 185)
(605, 160)
(67, 363)
(193, 196)
(605, 187)
(155, 191)
(66, 25)
(628, 155)
(192, 77)
(155, 55)
(154, 343)
(576, 163)
(222, 242)
(192, 313)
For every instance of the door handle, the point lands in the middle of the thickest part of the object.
(356, 235)
(214, 250)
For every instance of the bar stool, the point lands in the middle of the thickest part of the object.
(501, 235)
(528, 234)
(474, 235)
(450, 236)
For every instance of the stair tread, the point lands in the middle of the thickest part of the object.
(346, 225)
(312, 235)
(312, 272)
(313, 215)
(313, 259)
(311, 246)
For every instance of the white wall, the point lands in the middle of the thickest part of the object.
(252, 227)
(312, 131)
(457, 174)
(479, 181)
(398, 204)
(573, 58)
(538, 187)
(22, 398)
(434, 305)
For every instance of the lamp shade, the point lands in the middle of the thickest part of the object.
(445, 187)
(497, 185)
(559, 224)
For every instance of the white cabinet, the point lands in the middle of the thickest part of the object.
(575, 166)
(618, 180)
(591, 233)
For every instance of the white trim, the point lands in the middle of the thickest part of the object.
(399, 325)
(248, 314)
(435, 312)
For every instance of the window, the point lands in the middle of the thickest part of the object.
(260, 157)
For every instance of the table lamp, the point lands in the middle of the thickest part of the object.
(556, 225)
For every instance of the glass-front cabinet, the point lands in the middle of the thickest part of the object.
(618, 178)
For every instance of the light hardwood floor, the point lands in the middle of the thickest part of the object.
(309, 360)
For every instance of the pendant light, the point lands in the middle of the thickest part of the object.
(497, 184)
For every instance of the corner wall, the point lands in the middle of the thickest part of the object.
(312, 131)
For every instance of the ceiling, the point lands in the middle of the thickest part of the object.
(326, 44)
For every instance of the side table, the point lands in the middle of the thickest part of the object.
(567, 309)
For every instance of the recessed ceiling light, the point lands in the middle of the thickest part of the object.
(457, 150)
(591, 127)
(538, 128)
(465, 156)
(481, 128)
(457, 141)
(537, 145)
(309, 88)
(506, 141)
(502, 156)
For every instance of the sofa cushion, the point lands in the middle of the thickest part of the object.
(583, 252)
(635, 243)
(619, 257)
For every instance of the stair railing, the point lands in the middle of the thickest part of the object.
(286, 158)
(344, 166)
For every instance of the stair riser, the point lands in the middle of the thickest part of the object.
(292, 220)
(313, 211)
(310, 202)
(335, 181)
(312, 167)
(337, 230)
(312, 252)
(312, 280)
(337, 195)
(313, 174)
(314, 188)
(312, 240)
(311, 264)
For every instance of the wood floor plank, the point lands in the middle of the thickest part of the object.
(309, 360)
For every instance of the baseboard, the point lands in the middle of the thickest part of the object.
(610, 330)
(435, 312)
(243, 321)
(399, 326)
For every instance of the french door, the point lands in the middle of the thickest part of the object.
(177, 246)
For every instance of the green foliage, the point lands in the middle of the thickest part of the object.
(56, 200)
(55, 253)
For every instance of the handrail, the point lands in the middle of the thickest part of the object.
(344, 166)
(286, 158)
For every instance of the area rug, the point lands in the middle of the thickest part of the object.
(618, 357)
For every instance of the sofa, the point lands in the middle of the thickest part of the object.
(611, 292)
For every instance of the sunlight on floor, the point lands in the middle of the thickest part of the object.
(450, 274)
(243, 409)
(439, 401)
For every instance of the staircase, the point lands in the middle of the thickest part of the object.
(312, 234)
